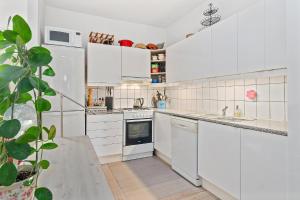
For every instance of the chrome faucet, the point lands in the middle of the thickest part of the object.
(224, 111)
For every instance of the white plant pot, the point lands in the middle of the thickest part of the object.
(18, 191)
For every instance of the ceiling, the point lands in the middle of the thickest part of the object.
(159, 13)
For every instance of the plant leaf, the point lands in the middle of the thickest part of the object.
(23, 98)
(4, 105)
(10, 128)
(52, 132)
(24, 85)
(10, 36)
(5, 56)
(22, 28)
(18, 151)
(44, 164)
(30, 135)
(38, 84)
(42, 105)
(49, 146)
(43, 193)
(8, 174)
(49, 72)
(39, 56)
(50, 92)
(10, 72)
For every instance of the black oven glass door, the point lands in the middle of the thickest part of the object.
(138, 132)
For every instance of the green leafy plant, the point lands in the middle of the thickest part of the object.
(21, 71)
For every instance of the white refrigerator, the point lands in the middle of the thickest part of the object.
(69, 80)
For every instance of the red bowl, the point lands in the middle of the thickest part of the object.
(126, 43)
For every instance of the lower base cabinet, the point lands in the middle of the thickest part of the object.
(219, 156)
(106, 132)
(163, 134)
(263, 166)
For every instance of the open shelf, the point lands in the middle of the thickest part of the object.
(158, 61)
(158, 73)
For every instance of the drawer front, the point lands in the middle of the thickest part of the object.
(104, 133)
(92, 126)
(104, 118)
(107, 146)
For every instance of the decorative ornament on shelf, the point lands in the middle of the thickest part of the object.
(210, 16)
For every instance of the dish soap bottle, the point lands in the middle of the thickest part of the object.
(237, 112)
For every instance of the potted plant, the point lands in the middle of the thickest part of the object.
(22, 90)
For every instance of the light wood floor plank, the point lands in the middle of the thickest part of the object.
(150, 179)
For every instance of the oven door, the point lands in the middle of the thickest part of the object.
(138, 132)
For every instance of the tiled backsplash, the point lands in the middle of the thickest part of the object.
(211, 96)
(125, 94)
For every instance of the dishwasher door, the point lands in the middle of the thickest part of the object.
(185, 148)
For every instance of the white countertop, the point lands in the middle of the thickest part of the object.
(267, 126)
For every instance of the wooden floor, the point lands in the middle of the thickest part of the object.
(150, 179)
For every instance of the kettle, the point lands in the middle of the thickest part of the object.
(138, 103)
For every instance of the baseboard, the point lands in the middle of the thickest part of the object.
(216, 191)
(163, 157)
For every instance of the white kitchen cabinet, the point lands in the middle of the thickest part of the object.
(163, 134)
(104, 64)
(219, 156)
(190, 59)
(135, 63)
(106, 133)
(275, 14)
(263, 166)
(174, 62)
(251, 38)
(224, 47)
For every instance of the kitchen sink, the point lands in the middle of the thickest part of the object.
(234, 119)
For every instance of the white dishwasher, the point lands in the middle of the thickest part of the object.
(185, 148)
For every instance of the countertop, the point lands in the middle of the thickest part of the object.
(74, 172)
(266, 126)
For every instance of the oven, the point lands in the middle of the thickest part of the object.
(138, 131)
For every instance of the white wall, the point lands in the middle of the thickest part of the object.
(293, 49)
(30, 10)
(191, 22)
(87, 23)
(10, 8)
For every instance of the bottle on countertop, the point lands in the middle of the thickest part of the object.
(237, 112)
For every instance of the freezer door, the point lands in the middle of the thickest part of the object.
(73, 123)
(69, 66)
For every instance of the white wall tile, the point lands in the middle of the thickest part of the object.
(276, 92)
(277, 79)
(221, 93)
(250, 109)
(263, 110)
(214, 93)
(263, 93)
(230, 110)
(230, 93)
(239, 93)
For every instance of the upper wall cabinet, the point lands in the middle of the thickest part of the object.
(224, 47)
(104, 64)
(135, 63)
(275, 33)
(251, 38)
(191, 58)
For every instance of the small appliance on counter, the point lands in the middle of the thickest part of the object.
(109, 100)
